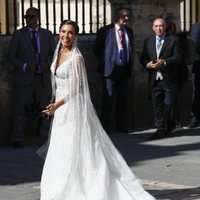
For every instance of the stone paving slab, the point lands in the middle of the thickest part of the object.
(169, 169)
(170, 191)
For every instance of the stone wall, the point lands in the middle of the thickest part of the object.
(140, 108)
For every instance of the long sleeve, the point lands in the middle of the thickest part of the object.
(14, 50)
(195, 36)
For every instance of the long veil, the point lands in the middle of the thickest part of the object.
(79, 83)
(83, 156)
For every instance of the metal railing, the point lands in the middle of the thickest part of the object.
(89, 14)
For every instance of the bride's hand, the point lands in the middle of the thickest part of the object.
(49, 111)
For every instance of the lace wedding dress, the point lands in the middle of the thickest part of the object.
(82, 163)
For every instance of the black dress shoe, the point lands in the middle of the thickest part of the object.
(170, 129)
(194, 123)
(159, 134)
(17, 145)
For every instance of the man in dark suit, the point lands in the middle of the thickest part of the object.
(30, 52)
(113, 49)
(161, 56)
(195, 37)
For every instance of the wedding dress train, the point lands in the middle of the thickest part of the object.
(82, 163)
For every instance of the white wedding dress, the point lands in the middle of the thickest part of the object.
(82, 163)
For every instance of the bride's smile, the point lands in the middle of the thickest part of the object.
(67, 35)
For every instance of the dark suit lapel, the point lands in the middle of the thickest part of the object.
(27, 37)
(164, 46)
(110, 49)
(153, 46)
(110, 39)
(129, 34)
(130, 40)
(42, 39)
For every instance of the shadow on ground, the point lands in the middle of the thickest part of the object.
(20, 165)
(173, 194)
(25, 166)
(139, 141)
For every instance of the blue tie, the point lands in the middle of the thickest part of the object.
(159, 44)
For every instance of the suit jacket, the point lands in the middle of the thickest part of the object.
(105, 48)
(171, 52)
(21, 51)
(195, 37)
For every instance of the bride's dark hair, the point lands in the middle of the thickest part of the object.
(70, 22)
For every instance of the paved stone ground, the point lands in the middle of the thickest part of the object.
(168, 168)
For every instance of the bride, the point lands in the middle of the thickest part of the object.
(82, 162)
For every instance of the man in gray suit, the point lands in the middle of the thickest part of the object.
(30, 52)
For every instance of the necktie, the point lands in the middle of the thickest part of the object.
(123, 49)
(34, 41)
(35, 47)
(159, 44)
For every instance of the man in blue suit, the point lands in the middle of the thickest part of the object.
(30, 52)
(113, 49)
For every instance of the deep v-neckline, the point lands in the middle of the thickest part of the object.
(58, 58)
(57, 67)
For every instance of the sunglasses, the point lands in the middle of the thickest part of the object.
(29, 16)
